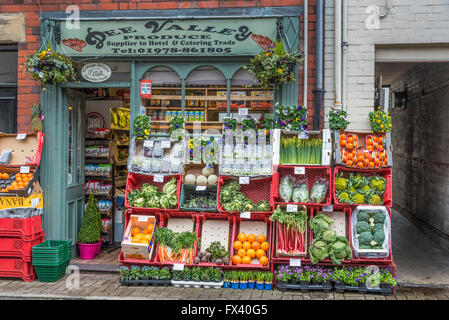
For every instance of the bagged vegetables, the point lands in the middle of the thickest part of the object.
(319, 190)
(301, 192)
(286, 188)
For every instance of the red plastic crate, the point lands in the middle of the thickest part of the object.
(135, 182)
(384, 172)
(16, 267)
(258, 189)
(286, 259)
(375, 261)
(17, 247)
(236, 231)
(165, 217)
(311, 172)
(26, 228)
(203, 216)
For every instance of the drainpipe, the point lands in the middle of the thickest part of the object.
(345, 49)
(306, 55)
(337, 48)
(319, 65)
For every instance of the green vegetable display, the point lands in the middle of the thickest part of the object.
(301, 193)
(233, 200)
(319, 191)
(358, 189)
(326, 243)
(286, 188)
(150, 197)
(369, 229)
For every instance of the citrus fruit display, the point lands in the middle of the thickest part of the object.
(250, 247)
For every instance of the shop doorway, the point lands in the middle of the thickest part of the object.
(97, 135)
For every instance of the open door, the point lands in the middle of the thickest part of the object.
(74, 193)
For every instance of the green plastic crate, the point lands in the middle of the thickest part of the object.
(52, 252)
(51, 273)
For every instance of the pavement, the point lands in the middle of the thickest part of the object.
(106, 286)
(420, 261)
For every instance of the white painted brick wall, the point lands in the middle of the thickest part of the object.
(409, 22)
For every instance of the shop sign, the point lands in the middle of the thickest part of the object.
(203, 37)
(96, 72)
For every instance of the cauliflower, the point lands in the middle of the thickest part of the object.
(378, 183)
(375, 200)
(343, 197)
(366, 189)
(341, 184)
(358, 198)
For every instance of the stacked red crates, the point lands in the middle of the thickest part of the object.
(17, 237)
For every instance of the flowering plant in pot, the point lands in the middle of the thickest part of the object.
(268, 277)
(227, 279)
(380, 121)
(177, 128)
(337, 120)
(142, 127)
(251, 280)
(243, 280)
(235, 277)
(291, 118)
(125, 273)
(90, 231)
(274, 66)
(50, 68)
(387, 280)
(283, 274)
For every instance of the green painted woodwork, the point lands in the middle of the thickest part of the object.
(289, 91)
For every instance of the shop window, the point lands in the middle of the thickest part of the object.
(8, 88)
(247, 94)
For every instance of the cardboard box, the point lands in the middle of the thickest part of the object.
(26, 149)
(138, 250)
(22, 207)
(12, 170)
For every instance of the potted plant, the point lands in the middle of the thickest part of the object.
(177, 128)
(142, 127)
(274, 66)
(268, 277)
(135, 273)
(387, 281)
(251, 280)
(234, 279)
(50, 68)
(146, 273)
(197, 276)
(304, 277)
(291, 118)
(260, 284)
(227, 279)
(187, 277)
(380, 121)
(282, 274)
(338, 276)
(176, 278)
(90, 231)
(337, 120)
(124, 274)
(243, 277)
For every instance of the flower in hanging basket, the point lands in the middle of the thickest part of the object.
(274, 66)
(50, 68)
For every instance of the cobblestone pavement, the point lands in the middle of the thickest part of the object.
(107, 286)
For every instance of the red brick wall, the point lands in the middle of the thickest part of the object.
(28, 91)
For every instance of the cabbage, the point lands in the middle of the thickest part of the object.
(301, 193)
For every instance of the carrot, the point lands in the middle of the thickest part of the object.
(191, 256)
(161, 254)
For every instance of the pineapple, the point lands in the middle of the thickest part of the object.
(36, 122)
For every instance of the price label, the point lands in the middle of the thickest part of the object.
(158, 178)
(243, 111)
(24, 169)
(200, 188)
(295, 262)
(300, 170)
(148, 143)
(245, 215)
(21, 136)
(142, 218)
(165, 144)
(292, 208)
(303, 135)
(328, 208)
(34, 202)
(244, 180)
(178, 266)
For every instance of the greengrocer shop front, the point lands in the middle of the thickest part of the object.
(193, 61)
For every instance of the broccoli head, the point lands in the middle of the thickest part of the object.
(378, 183)
(365, 238)
(379, 237)
(378, 227)
(379, 217)
(362, 226)
(363, 216)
